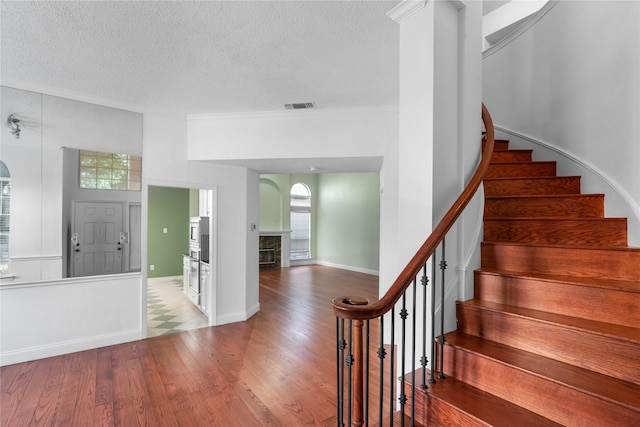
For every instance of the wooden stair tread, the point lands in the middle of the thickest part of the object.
(602, 328)
(531, 185)
(623, 285)
(543, 196)
(482, 406)
(593, 383)
(580, 231)
(555, 218)
(522, 169)
(515, 178)
(541, 205)
(397, 421)
(581, 261)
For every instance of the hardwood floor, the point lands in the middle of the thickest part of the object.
(276, 369)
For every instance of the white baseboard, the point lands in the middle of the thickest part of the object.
(349, 267)
(238, 316)
(57, 349)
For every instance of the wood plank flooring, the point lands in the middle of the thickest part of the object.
(276, 369)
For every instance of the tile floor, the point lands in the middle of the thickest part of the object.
(168, 309)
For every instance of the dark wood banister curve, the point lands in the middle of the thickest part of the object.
(352, 307)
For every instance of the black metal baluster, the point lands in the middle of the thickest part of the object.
(366, 383)
(433, 319)
(341, 344)
(391, 369)
(424, 360)
(443, 267)
(382, 353)
(349, 362)
(413, 352)
(402, 397)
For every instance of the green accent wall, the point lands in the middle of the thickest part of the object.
(168, 208)
(349, 219)
(345, 215)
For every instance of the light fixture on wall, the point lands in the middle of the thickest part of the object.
(14, 125)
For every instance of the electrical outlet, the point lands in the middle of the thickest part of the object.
(164, 230)
(152, 267)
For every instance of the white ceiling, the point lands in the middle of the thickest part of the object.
(205, 56)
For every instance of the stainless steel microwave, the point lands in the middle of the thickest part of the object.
(198, 227)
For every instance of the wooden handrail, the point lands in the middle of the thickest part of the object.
(356, 308)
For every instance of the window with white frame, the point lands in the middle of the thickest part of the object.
(300, 211)
(5, 207)
(110, 171)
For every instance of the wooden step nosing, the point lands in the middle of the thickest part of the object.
(558, 246)
(595, 327)
(442, 391)
(546, 196)
(513, 178)
(540, 374)
(587, 282)
(555, 218)
(532, 162)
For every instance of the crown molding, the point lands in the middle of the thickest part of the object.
(296, 113)
(530, 21)
(405, 9)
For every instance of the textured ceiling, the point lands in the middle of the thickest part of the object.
(206, 56)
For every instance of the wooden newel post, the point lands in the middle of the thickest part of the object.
(358, 375)
(355, 361)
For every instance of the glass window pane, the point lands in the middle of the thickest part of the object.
(300, 207)
(109, 171)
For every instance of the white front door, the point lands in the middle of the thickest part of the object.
(97, 238)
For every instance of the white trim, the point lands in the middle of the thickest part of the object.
(56, 349)
(238, 316)
(299, 262)
(70, 94)
(71, 280)
(406, 9)
(535, 17)
(348, 267)
(292, 113)
(635, 208)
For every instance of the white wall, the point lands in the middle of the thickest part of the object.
(41, 313)
(321, 133)
(439, 142)
(165, 163)
(572, 83)
(48, 318)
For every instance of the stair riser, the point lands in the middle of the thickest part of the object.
(589, 232)
(537, 394)
(613, 264)
(498, 144)
(511, 156)
(586, 206)
(611, 356)
(531, 186)
(502, 170)
(569, 299)
(439, 413)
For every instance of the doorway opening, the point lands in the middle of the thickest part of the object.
(173, 266)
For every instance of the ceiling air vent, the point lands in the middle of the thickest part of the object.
(299, 106)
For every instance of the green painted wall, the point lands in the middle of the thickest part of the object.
(349, 219)
(168, 208)
(345, 217)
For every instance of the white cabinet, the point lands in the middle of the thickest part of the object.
(205, 286)
(186, 269)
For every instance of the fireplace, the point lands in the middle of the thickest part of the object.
(266, 256)
(274, 249)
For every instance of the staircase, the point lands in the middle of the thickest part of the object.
(552, 336)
